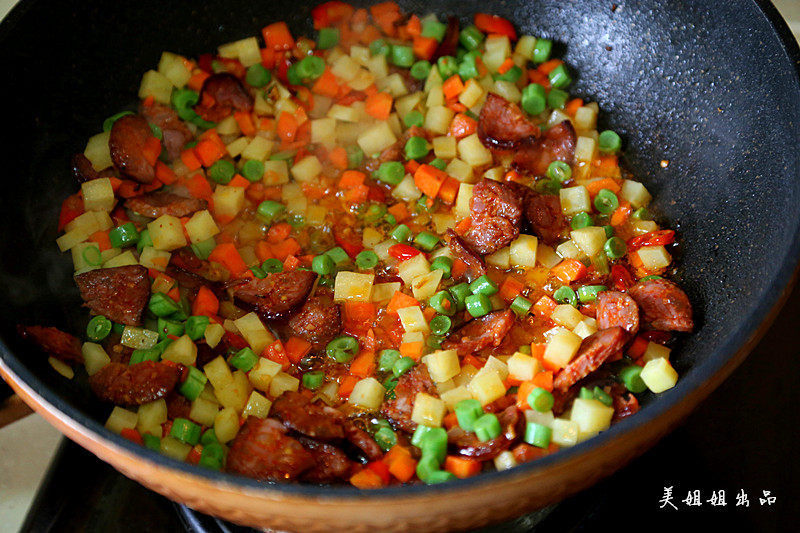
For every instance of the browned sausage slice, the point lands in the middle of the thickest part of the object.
(362, 440)
(617, 309)
(159, 203)
(503, 125)
(313, 419)
(469, 445)
(330, 463)
(55, 342)
(664, 305)
(174, 132)
(277, 294)
(555, 144)
(399, 409)
(480, 333)
(543, 213)
(119, 293)
(593, 352)
(263, 451)
(496, 211)
(475, 265)
(129, 134)
(82, 169)
(134, 385)
(228, 93)
(318, 322)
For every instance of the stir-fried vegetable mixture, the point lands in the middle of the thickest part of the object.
(399, 253)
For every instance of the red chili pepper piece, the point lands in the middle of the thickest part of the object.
(621, 277)
(492, 24)
(401, 252)
(660, 237)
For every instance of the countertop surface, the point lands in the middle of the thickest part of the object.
(27, 446)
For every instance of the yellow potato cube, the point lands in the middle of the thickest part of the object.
(413, 319)
(444, 147)
(654, 257)
(352, 286)
(156, 85)
(307, 169)
(659, 375)
(97, 151)
(201, 226)
(98, 195)
(262, 373)
(655, 351)
(367, 394)
(562, 347)
(166, 232)
(150, 417)
(259, 148)
(591, 415)
(213, 334)
(376, 138)
(442, 365)
(226, 424)
(425, 286)
(471, 150)
(120, 419)
(410, 269)
(218, 373)
(522, 251)
(281, 383)
(254, 332)
(182, 350)
(228, 201)
(567, 316)
(428, 411)
(486, 387)
(575, 200)
(257, 406)
(455, 395)
(523, 367)
(589, 240)
(94, 357)
(203, 411)
(152, 258)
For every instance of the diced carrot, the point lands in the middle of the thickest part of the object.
(363, 365)
(208, 152)
(621, 214)
(462, 227)
(386, 15)
(205, 302)
(523, 391)
(429, 180)
(263, 251)
(424, 47)
(278, 37)
(458, 268)
(347, 385)
(245, 121)
(399, 211)
(549, 66)
(326, 85)
(400, 300)
(338, 156)
(411, 166)
(544, 380)
(291, 263)
(607, 165)
(470, 359)
(537, 77)
(450, 420)
(569, 270)
(198, 186)
(572, 106)
(286, 248)
(449, 190)
(278, 232)
(537, 350)
(452, 87)
(357, 194)
(505, 66)
(456, 107)
(296, 349)
(190, 159)
(366, 479)
(276, 352)
(195, 454)
(287, 126)
(151, 150)
(638, 347)
(462, 467)
(544, 306)
(462, 126)
(102, 240)
(429, 313)
(228, 256)
(164, 174)
(132, 435)
(174, 293)
(195, 83)
(598, 185)
(379, 106)
(510, 289)
(412, 349)
(239, 181)
(400, 462)
(351, 178)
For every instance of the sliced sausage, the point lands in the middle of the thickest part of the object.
(178, 406)
(228, 94)
(449, 44)
(54, 342)
(496, 211)
(158, 203)
(318, 321)
(82, 170)
(313, 419)
(595, 350)
(362, 440)
(617, 309)
(555, 144)
(119, 293)
(129, 134)
(192, 281)
(625, 403)
(479, 333)
(399, 409)
(174, 132)
(277, 294)
(330, 463)
(468, 444)
(134, 385)
(543, 215)
(475, 266)
(503, 125)
(664, 305)
(262, 450)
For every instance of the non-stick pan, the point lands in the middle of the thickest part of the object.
(705, 95)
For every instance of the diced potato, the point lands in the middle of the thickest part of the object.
(413, 319)
(382, 292)
(568, 250)
(460, 170)
(238, 146)
(120, 419)
(575, 200)
(654, 257)
(438, 119)
(323, 131)
(218, 373)
(461, 210)
(307, 169)
(97, 151)
(61, 367)
(471, 150)
(382, 251)
(412, 268)
(428, 411)
(442, 365)
(407, 103)
(426, 285)
(407, 190)
(394, 85)
(275, 173)
(655, 351)
(435, 96)
(444, 147)
(546, 256)
(496, 49)
(98, 195)
(591, 415)
(262, 373)
(150, 417)
(228, 126)
(173, 67)
(377, 66)
(345, 67)
(635, 193)
(589, 240)
(213, 334)
(495, 173)
(523, 367)
(156, 85)
(455, 395)
(201, 226)
(505, 460)
(412, 336)
(640, 227)
(443, 222)
(138, 338)
(94, 357)
(259, 149)
(181, 350)
(235, 394)
(507, 90)
(486, 387)
(339, 112)
(465, 376)
(585, 149)
(659, 375)
(525, 46)
(155, 259)
(80, 252)
(352, 286)
(281, 383)
(497, 366)
(585, 118)
(565, 432)
(204, 411)
(584, 329)
(471, 94)
(228, 201)
(376, 138)
(166, 233)
(562, 347)
(257, 406)
(226, 424)
(254, 332)
(367, 394)
(501, 258)
(522, 251)
(567, 316)
(123, 259)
